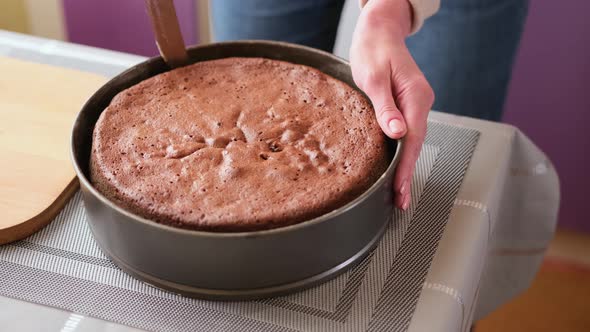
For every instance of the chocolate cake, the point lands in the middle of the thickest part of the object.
(236, 144)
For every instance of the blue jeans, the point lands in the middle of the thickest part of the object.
(466, 50)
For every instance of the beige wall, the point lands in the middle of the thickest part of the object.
(37, 17)
(46, 18)
(13, 16)
(204, 27)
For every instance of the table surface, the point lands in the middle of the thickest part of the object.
(502, 220)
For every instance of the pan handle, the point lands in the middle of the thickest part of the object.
(167, 31)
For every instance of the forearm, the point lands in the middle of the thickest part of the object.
(420, 9)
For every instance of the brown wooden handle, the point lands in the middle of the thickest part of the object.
(167, 30)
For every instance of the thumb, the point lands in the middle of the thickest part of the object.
(378, 89)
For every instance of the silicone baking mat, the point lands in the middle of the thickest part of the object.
(61, 266)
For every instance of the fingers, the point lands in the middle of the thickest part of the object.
(401, 97)
(377, 85)
(415, 97)
(411, 147)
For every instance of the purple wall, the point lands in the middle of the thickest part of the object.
(122, 25)
(549, 97)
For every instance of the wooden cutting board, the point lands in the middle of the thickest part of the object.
(38, 104)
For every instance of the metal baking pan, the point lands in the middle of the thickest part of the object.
(232, 266)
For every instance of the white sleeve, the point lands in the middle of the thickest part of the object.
(422, 10)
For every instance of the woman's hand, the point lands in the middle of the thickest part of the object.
(384, 69)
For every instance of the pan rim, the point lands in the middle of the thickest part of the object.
(258, 233)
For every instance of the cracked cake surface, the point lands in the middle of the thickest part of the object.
(236, 144)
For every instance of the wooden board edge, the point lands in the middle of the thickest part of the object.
(35, 224)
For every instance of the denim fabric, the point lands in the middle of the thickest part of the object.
(466, 50)
(308, 22)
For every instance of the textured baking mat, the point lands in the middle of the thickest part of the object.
(61, 266)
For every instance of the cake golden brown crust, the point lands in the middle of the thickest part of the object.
(236, 144)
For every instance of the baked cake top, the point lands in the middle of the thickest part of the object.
(237, 144)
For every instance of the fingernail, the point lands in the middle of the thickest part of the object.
(406, 203)
(396, 126)
(404, 187)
